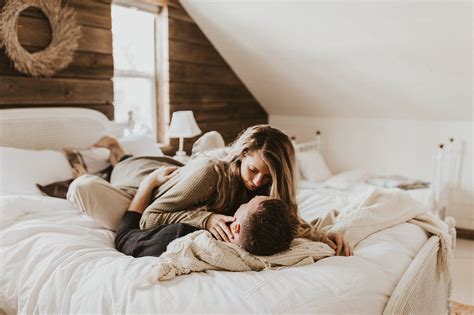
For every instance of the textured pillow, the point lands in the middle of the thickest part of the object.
(140, 145)
(22, 169)
(207, 142)
(312, 166)
(345, 180)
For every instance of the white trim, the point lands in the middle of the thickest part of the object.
(148, 7)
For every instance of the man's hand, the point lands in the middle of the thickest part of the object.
(217, 225)
(336, 242)
(159, 176)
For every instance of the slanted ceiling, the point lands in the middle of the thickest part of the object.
(376, 59)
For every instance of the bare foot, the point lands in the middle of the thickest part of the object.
(74, 158)
(116, 151)
(106, 142)
(78, 170)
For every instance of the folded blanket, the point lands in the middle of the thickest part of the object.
(199, 251)
(378, 210)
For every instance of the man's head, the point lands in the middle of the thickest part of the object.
(262, 226)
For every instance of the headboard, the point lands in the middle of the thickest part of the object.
(310, 145)
(51, 128)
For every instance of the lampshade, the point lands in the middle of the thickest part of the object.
(183, 125)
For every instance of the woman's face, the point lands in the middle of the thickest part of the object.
(254, 171)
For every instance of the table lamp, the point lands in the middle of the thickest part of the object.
(183, 125)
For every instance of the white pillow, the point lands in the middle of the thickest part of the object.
(140, 145)
(96, 159)
(345, 180)
(22, 169)
(312, 166)
(207, 142)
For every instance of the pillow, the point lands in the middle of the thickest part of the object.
(345, 180)
(140, 145)
(97, 159)
(312, 166)
(207, 142)
(22, 169)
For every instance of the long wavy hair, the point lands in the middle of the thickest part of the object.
(277, 152)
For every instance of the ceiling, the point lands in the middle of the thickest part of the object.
(377, 59)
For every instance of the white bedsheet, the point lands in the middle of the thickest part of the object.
(56, 260)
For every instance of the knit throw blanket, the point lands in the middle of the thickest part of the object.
(378, 210)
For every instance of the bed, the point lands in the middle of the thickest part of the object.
(54, 259)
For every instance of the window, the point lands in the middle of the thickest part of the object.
(134, 50)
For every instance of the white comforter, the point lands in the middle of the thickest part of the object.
(56, 260)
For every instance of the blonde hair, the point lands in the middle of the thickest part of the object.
(278, 153)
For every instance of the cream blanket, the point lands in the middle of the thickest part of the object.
(378, 210)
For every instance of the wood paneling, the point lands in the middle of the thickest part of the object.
(188, 32)
(204, 93)
(196, 73)
(194, 53)
(86, 82)
(90, 13)
(84, 65)
(24, 90)
(35, 32)
(107, 110)
(200, 80)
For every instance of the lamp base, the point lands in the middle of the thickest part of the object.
(181, 156)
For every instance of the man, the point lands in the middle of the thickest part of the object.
(261, 227)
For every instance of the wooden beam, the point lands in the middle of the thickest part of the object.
(179, 14)
(49, 91)
(184, 92)
(196, 73)
(107, 110)
(232, 110)
(186, 32)
(88, 13)
(84, 65)
(36, 32)
(192, 53)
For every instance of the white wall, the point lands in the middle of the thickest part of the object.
(386, 147)
(386, 81)
(403, 59)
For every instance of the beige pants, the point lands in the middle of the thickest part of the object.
(100, 200)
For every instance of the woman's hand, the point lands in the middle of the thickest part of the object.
(217, 225)
(336, 242)
(159, 176)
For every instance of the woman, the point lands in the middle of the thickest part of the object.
(205, 192)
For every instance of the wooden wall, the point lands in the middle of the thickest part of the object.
(200, 80)
(85, 83)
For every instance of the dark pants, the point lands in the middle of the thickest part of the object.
(130, 240)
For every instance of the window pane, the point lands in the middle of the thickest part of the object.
(133, 39)
(138, 95)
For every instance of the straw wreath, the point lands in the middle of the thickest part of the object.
(65, 36)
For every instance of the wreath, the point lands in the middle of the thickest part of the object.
(59, 53)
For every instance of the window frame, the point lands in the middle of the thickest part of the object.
(160, 88)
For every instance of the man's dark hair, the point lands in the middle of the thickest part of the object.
(268, 230)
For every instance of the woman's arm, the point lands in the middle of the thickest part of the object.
(142, 198)
(193, 187)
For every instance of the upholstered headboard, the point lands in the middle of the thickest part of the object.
(51, 128)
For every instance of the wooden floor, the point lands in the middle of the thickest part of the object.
(463, 272)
